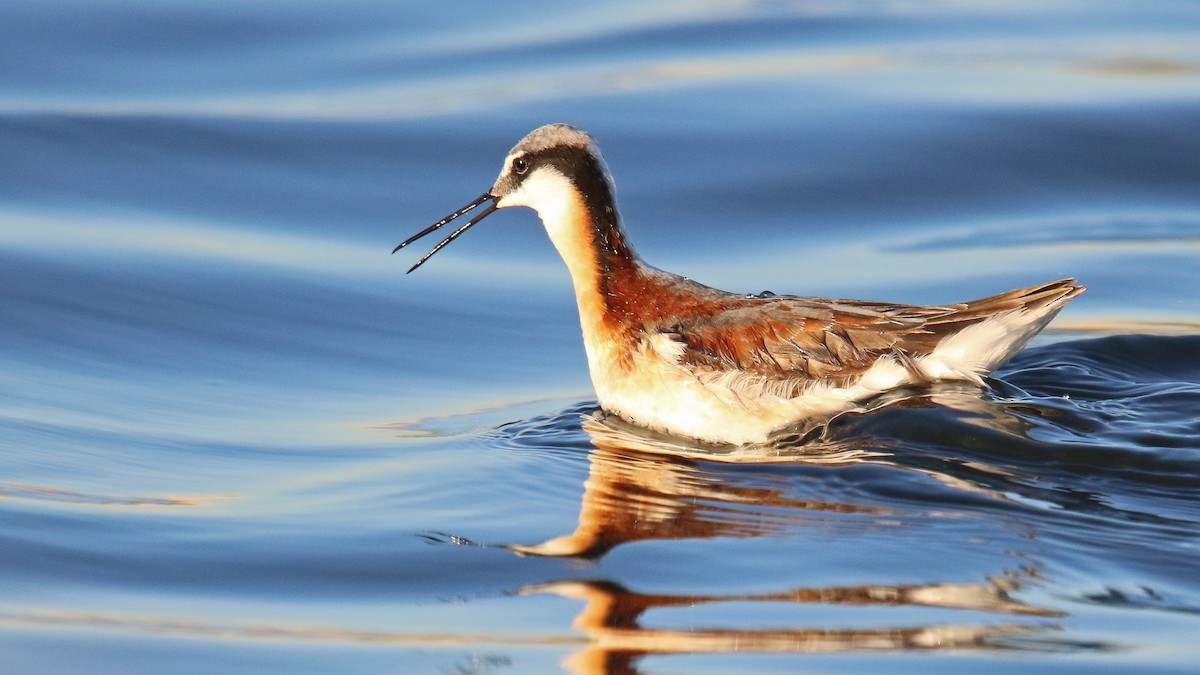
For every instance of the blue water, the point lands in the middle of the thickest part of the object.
(236, 437)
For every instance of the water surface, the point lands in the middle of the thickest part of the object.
(235, 437)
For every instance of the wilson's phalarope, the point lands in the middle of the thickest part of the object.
(671, 354)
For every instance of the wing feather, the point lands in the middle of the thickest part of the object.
(800, 339)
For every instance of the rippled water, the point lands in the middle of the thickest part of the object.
(235, 437)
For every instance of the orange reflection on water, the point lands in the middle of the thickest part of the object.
(52, 494)
(644, 487)
(611, 620)
(640, 493)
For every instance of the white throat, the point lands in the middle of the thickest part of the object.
(561, 209)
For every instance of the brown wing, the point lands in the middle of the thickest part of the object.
(807, 338)
(804, 338)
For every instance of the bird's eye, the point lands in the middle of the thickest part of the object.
(520, 166)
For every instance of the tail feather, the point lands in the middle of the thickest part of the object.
(987, 332)
(1033, 300)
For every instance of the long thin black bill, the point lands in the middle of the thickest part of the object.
(454, 235)
(438, 225)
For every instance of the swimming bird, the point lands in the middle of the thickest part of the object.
(674, 355)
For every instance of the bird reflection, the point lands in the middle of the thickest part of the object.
(634, 495)
(611, 620)
(644, 487)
